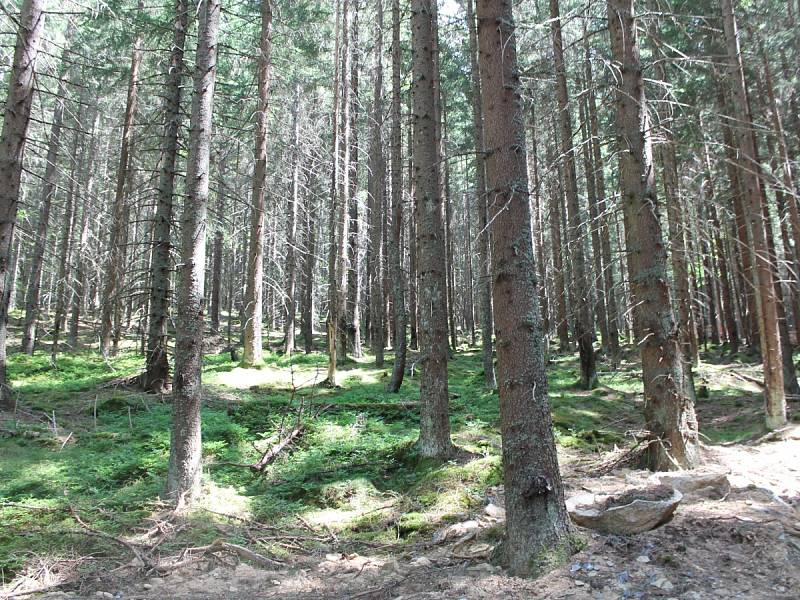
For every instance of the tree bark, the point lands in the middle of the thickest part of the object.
(183, 476)
(49, 184)
(156, 376)
(394, 240)
(669, 409)
(115, 267)
(291, 231)
(537, 526)
(352, 326)
(434, 438)
(377, 174)
(576, 231)
(766, 303)
(484, 236)
(253, 353)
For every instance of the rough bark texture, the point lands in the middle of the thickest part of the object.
(16, 117)
(434, 437)
(766, 302)
(65, 247)
(307, 316)
(183, 476)
(537, 529)
(669, 410)
(484, 258)
(352, 326)
(377, 174)
(252, 353)
(119, 226)
(291, 231)
(48, 192)
(576, 232)
(677, 230)
(156, 376)
(394, 241)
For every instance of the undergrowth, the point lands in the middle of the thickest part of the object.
(355, 470)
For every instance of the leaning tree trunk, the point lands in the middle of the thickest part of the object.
(576, 230)
(484, 259)
(156, 376)
(669, 409)
(114, 271)
(12, 149)
(766, 302)
(394, 241)
(537, 528)
(49, 183)
(434, 436)
(253, 353)
(183, 476)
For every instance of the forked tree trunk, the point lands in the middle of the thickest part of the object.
(537, 527)
(434, 438)
(576, 231)
(766, 302)
(156, 376)
(395, 239)
(16, 118)
(183, 475)
(253, 353)
(669, 409)
(484, 236)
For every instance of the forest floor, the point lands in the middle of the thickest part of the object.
(349, 510)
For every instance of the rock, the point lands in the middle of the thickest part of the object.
(275, 582)
(422, 562)
(643, 559)
(662, 583)
(100, 594)
(495, 512)
(575, 567)
(456, 530)
(148, 586)
(710, 485)
(639, 515)
(578, 582)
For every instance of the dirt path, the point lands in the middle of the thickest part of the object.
(744, 544)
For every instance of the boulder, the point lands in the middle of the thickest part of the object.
(601, 513)
(709, 485)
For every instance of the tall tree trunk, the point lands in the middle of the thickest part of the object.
(484, 236)
(434, 437)
(252, 353)
(156, 376)
(217, 251)
(65, 247)
(183, 476)
(352, 327)
(291, 231)
(612, 316)
(334, 213)
(377, 174)
(395, 239)
(413, 262)
(307, 316)
(49, 183)
(556, 199)
(576, 231)
(677, 230)
(82, 261)
(119, 226)
(669, 409)
(766, 302)
(537, 527)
